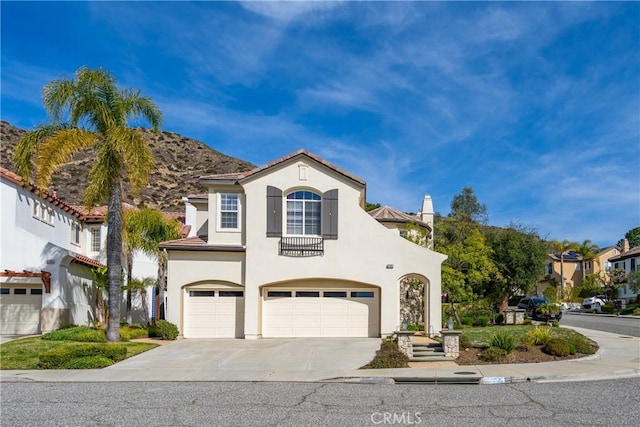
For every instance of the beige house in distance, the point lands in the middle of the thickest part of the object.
(287, 250)
(574, 268)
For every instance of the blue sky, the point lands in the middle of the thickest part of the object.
(536, 106)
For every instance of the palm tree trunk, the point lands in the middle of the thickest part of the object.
(114, 261)
(161, 282)
(562, 275)
(129, 263)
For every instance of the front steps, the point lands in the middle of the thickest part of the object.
(429, 352)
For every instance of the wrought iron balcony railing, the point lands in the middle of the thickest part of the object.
(301, 246)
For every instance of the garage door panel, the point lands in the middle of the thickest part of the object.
(20, 314)
(213, 316)
(332, 316)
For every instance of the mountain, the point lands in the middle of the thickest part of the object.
(180, 161)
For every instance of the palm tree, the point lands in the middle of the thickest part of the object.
(90, 110)
(563, 247)
(144, 230)
(588, 251)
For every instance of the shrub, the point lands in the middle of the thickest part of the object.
(388, 357)
(467, 320)
(581, 344)
(59, 357)
(164, 330)
(481, 321)
(94, 335)
(499, 319)
(557, 347)
(493, 354)
(89, 362)
(415, 327)
(504, 341)
(67, 333)
(608, 307)
(136, 326)
(133, 333)
(526, 321)
(539, 336)
(465, 341)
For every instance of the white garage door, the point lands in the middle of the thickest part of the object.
(210, 313)
(320, 313)
(20, 310)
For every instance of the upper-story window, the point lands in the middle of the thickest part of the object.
(587, 265)
(229, 211)
(43, 212)
(96, 238)
(304, 210)
(75, 232)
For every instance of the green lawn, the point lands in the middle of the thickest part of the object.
(24, 353)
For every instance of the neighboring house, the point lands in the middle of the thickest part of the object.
(287, 250)
(628, 260)
(573, 266)
(144, 266)
(45, 261)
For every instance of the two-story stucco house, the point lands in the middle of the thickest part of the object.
(45, 276)
(627, 260)
(287, 250)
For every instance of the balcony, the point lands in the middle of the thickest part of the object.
(301, 246)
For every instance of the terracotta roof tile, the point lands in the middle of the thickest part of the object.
(389, 214)
(633, 252)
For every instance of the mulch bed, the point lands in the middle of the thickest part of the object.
(471, 356)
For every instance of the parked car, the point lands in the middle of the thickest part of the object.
(596, 302)
(532, 307)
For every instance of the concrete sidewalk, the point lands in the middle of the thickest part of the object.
(618, 357)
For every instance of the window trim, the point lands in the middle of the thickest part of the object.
(219, 211)
(285, 215)
(91, 236)
(75, 225)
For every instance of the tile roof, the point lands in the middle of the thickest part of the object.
(198, 243)
(85, 260)
(633, 252)
(389, 214)
(50, 197)
(300, 153)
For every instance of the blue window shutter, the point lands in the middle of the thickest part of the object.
(274, 212)
(330, 215)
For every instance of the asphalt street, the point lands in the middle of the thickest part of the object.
(333, 404)
(623, 325)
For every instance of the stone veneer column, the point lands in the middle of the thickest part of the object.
(451, 343)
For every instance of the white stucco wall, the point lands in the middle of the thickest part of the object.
(30, 244)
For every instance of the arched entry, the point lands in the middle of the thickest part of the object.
(413, 299)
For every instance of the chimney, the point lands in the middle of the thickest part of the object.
(625, 245)
(426, 215)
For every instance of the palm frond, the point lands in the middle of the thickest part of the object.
(58, 96)
(138, 159)
(104, 174)
(26, 147)
(140, 107)
(57, 149)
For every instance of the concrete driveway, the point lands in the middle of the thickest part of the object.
(296, 359)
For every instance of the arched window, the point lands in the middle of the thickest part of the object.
(303, 213)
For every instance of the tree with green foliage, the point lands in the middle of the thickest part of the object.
(469, 262)
(90, 110)
(592, 284)
(633, 280)
(144, 230)
(519, 255)
(633, 236)
(465, 206)
(587, 250)
(561, 248)
(371, 206)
